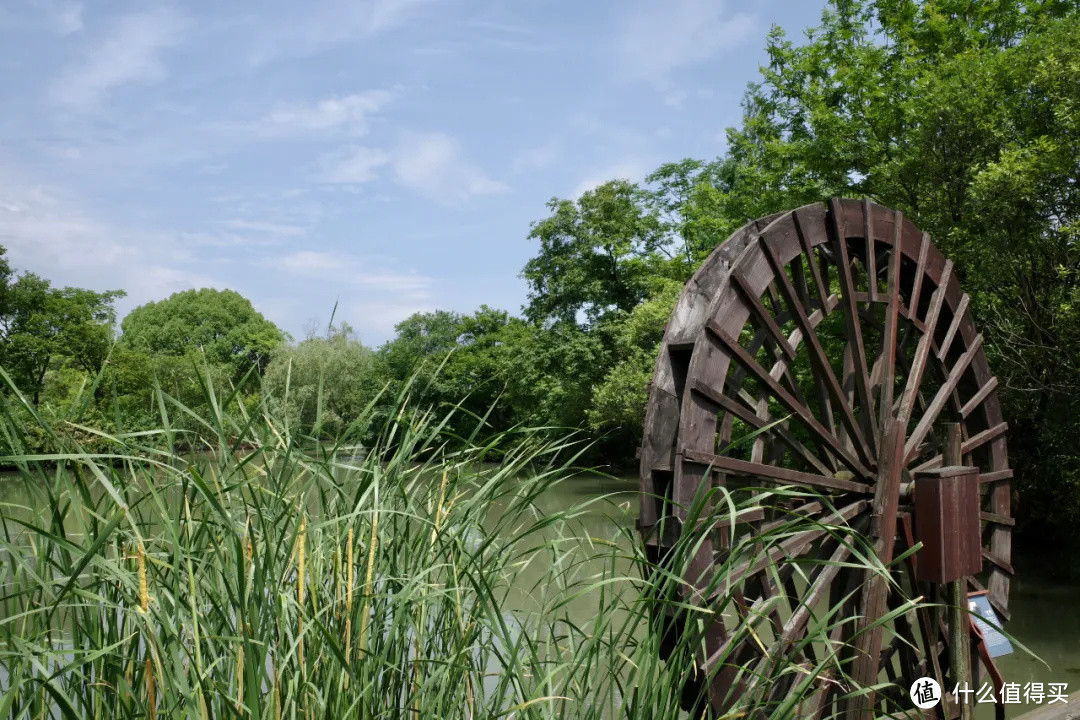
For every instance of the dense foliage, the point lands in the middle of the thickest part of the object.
(269, 577)
(965, 116)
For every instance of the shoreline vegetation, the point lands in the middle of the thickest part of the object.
(196, 545)
(266, 579)
(960, 115)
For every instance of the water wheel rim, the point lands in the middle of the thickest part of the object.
(690, 399)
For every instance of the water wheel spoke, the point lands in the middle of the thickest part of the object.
(818, 359)
(927, 634)
(954, 326)
(940, 398)
(804, 414)
(887, 357)
(845, 387)
(851, 317)
(821, 283)
(762, 314)
(795, 545)
(920, 273)
(748, 468)
(871, 253)
(742, 411)
(922, 350)
(875, 590)
(977, 399)
(828, 686)
(819, 585)
(807, 510)
(981, 438)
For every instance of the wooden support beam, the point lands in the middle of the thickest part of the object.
(773, 473)
(875, 589)
(956, 592)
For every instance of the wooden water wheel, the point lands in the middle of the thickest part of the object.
(841, 334)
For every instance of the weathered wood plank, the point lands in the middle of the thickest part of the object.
(937, 404)
(954, 327)
(793, 546)
(996, 476)
(819, 360)
(757, 422)
(801, 411)
(987, 435)
(735, 466)
(988, 387)
(920, 273)
(887, 357)
(854, 327)
(875, 589)
(820, 282)
(871, 251)
(922, 350)
(762, 314)
(997, 519)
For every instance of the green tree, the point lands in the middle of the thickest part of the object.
(594, 255)
(43, 327)
(964, 116)
(221, 323)
(332, 375)
(416, 352)
(619, 401)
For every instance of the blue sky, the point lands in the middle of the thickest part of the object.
(388, 154)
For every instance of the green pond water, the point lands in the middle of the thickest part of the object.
(1045, 614)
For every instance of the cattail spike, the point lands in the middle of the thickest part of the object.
(239, 678)
(367, 581)
(144, 592)
(300, 591)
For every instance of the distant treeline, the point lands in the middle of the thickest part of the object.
(965, 116)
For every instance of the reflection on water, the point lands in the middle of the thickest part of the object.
(1045, 614)
(1045, 618)
(601, 522)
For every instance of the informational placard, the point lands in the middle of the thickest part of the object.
(988, 622)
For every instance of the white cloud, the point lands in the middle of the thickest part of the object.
(353, 270)
(307, 262)
(675, 98)
(64, 16)
(301, 29)
(266, 228)
(433, 164)
(537, 158)
(129, 54)
(350, 112)
(370, 298)
(353, 166)
(378, 317)
(659, 36)
(633, 170)
(45, 232)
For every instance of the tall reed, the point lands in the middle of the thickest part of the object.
(463, 586)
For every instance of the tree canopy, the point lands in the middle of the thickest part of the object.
(963, 115)
(223, 324)
(42, 327)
